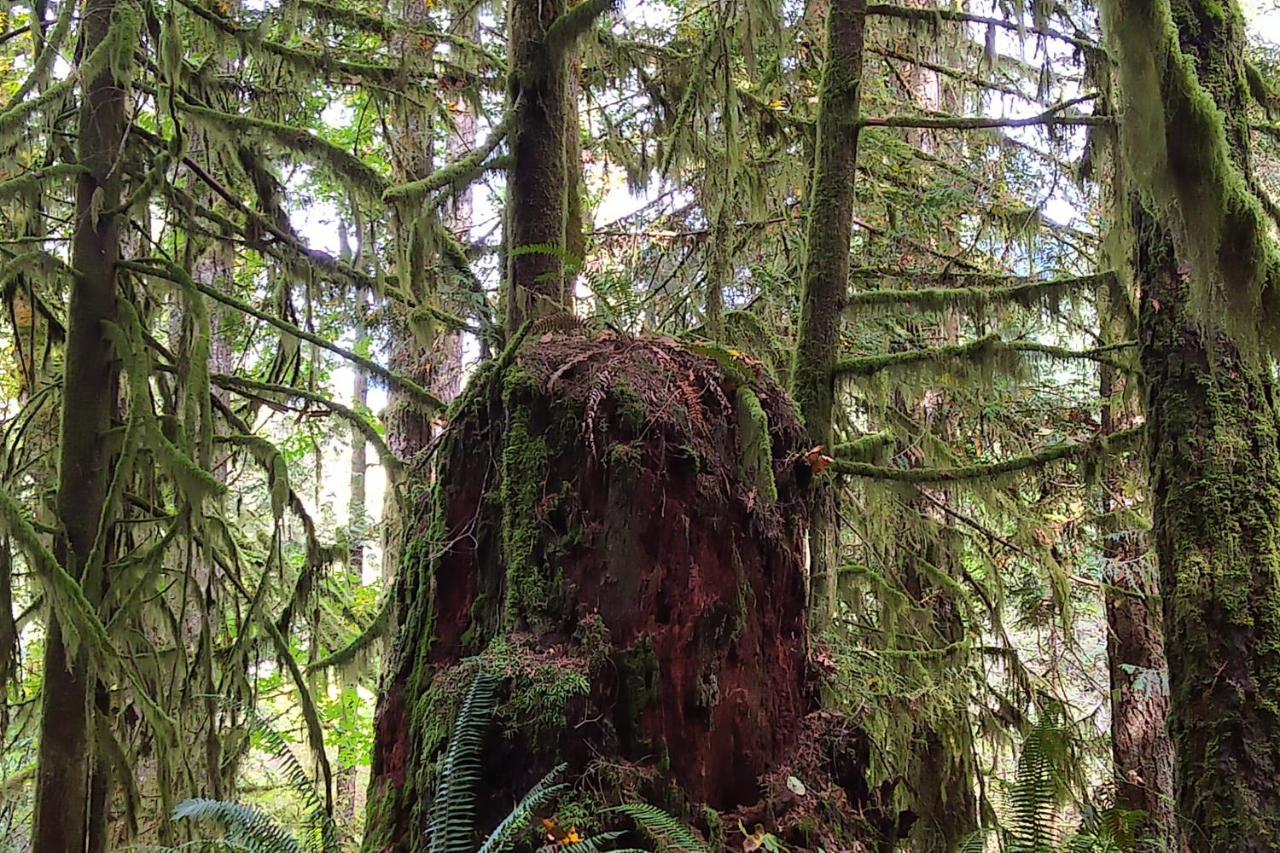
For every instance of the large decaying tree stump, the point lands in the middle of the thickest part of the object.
(617, 527)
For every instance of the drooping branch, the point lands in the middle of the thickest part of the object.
(174, 273)
(359, 175)
(307, 59)
(251, 388)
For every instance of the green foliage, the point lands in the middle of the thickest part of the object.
(246, 827)
(452, 827)
(1040, 786)
(666, 830)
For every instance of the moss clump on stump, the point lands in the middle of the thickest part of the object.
(601, 510)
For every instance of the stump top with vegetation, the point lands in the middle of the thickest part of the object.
(615, 526)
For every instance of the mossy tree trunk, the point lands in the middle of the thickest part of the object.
(89, 395)
(538, 182)
(1213, 456)
(633, 569)
(1215, 484)
(1141, 751)
(826, 274)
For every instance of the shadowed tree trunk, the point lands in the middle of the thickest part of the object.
(826, 275)
(1212, 425)
(89, 393)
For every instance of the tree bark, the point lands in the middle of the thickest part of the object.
(538, 183)
(1142, 753)
(826, 273)
(89, 393)
(1214, 467)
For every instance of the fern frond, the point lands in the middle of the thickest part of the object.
(1038, 787)
(538, 796)
(320, 824)
(247, 828)
(974, 843)
(453, 808)
(665, 829)
(596, 844)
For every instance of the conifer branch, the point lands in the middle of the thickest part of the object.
(308, 59)
(931, 15)
(252, 388)
(570, 26)
(1054, 116)
(1067, 451)
(969, 290)
(361, 176)
(983, 348)
(389, 28)
(452, 173)
(174, 273)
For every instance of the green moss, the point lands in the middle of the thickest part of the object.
(638, 676)
(626, 456)
(1195, 174)
(632, 413)
(381, 806)
(688, 455)
(524, 472)
(714, 823)
(754, 446)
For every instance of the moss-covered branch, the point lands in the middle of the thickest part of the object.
(374, 631)
(573, 24)
(1056, 115)
(307, 60)
(929, 15)
(253, 388)
(457, 171)
(968, 290)
(389, 28)
(864, 447)
(986, 349)
(1068, 451)
(358, 175)
(174, 273)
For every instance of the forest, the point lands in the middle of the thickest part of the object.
(441, 426)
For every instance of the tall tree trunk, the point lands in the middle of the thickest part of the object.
(826, 275)
(348, 764)
(1215, 483)
(1212, 438)
(537, 185)
(1142, 753)
(89, 392)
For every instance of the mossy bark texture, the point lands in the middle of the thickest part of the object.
(826, 273)
(538, 183)
(609, 529)
(1141, 750)
(1215, 482)
(89, 391)
(1212, 433)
